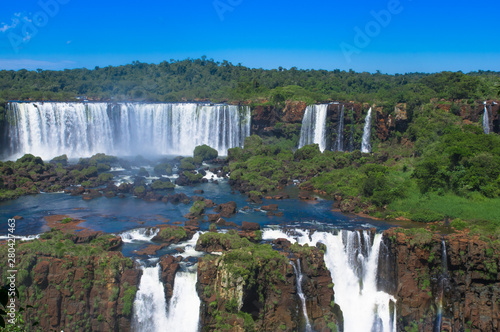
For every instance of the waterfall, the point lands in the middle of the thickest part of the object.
(351, 139)
(443, 281)
(83, 129)
(486, 122)
(150, 308)
(340, 132)
(314, 126)
(352, 259)
(184, 306)
(298, 276)
(139, 234)
(365, 144)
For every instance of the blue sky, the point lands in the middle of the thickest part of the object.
(393, 36)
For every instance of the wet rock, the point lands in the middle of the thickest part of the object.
(270, 207)
(226, 210)
(250, 226)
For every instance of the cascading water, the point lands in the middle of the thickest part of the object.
(139, 234)
(443, 281)
(365, 144)
(150, 307)
(84, 129)
(184, 306)
(314, 126)
(340, 132)
(351, 137)
(486, 121)
(352, 259)
(298, 276)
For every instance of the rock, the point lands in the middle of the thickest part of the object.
(250, 226)
(411, 269)
(85, 236)
(192, 222)
(77, 191)
(213, 217)
(178, 198)
(275, 214)
(17, 217)
(226, 210)
(200, 191)
(169, 266)
(270, 207)
(209, 203)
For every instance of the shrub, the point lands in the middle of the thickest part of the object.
(426, 216)
(162, 185)
(204, 152)
(198, 208)
(187, 164)
(163, 169)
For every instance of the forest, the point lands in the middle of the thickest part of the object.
(206, 79)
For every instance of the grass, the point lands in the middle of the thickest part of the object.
(475, 208)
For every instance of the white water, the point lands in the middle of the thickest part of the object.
(139, 234)
(150, 308)
(189, 247)
(184, 306)
(340, 132)
(365, 144)
(313, 129)
(20, 237)
(353, 267)
(84, 129)
(486, 122)
(298, 275)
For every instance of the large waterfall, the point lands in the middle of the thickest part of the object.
(184, 306)
(365, 144)
(352, 259)
(150, 307)
(486, 121)
(314, 126)
(84, 129)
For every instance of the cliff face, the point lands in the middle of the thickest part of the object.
(93, 291)
(463, 281)
(255, 288)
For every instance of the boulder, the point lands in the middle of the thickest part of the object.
(226, 210)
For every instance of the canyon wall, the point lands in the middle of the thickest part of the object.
(461, 283)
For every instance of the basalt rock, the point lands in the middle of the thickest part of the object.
(169, 266)
(226, 210)
(89, 290)
(267, 291)
(411, 263)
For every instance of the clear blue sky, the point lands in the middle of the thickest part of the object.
(419, 35)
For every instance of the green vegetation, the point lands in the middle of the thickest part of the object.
(204, 78)
(448, 170)
(197, 208)
(163, 169)
(204, 152)
(177, 233)
(162, 185)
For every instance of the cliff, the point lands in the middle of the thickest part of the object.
(463, 281)
(254, 287)
(76, 286)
